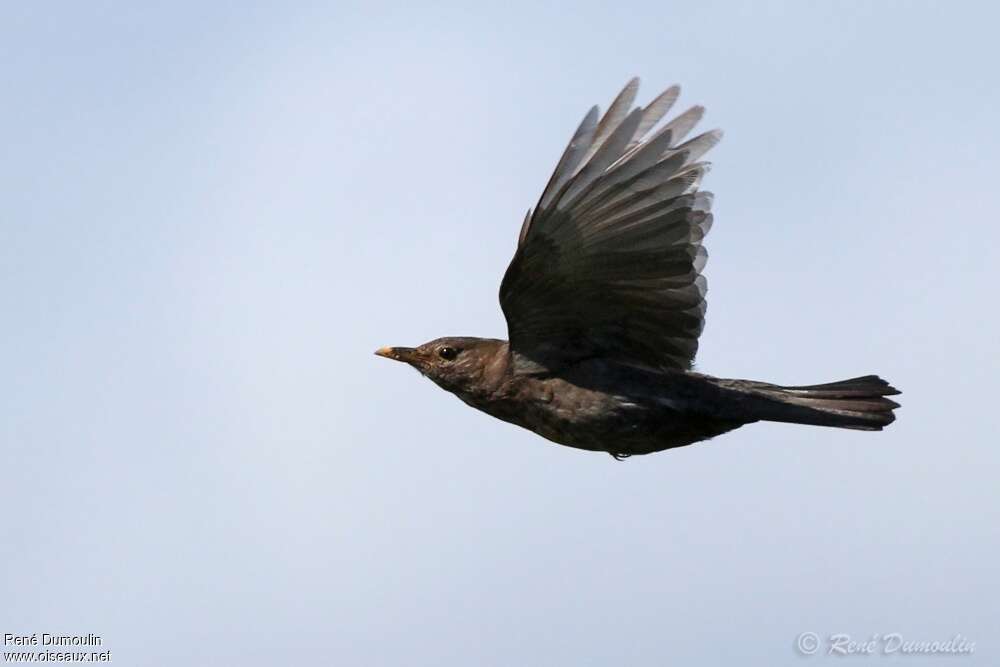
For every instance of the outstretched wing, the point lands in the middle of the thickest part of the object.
(609, 263)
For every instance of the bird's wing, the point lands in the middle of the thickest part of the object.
(609, 262)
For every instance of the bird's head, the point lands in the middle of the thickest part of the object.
(458, 364)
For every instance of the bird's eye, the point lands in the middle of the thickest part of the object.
(447, 353)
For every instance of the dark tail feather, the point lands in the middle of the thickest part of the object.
(858, 403)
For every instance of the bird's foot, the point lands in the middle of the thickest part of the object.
(617, 456)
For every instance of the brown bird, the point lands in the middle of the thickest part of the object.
(605, 301)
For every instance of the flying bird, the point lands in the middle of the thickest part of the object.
(605, 300)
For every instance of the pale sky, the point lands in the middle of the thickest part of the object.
(214, 213)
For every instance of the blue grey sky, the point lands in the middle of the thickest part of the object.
(213, 213)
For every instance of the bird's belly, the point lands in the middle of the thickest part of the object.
(598, 421)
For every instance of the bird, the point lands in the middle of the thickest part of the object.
(605, 301)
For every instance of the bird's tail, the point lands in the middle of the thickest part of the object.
(858, 403)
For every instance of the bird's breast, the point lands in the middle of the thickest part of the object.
(562, 412)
